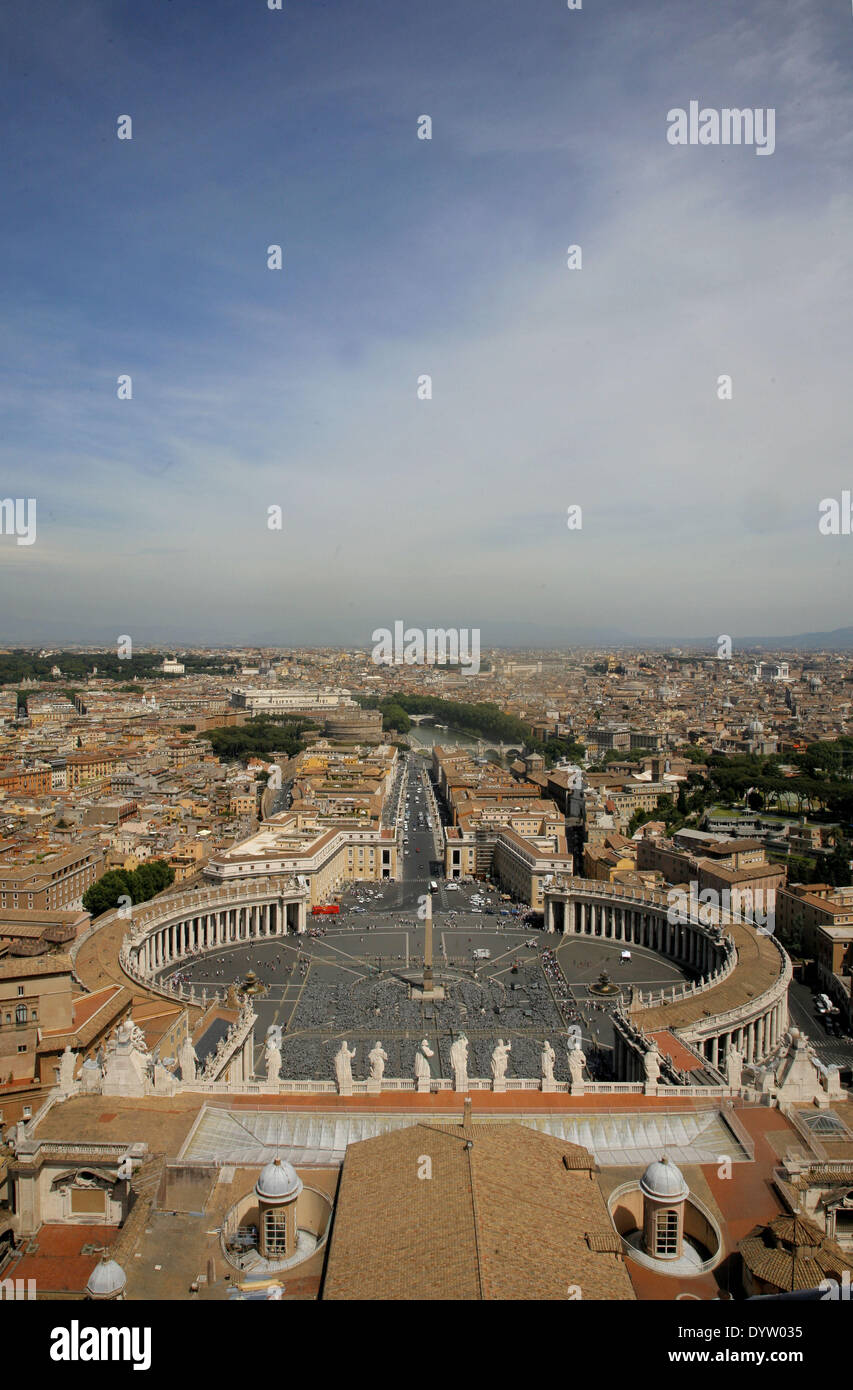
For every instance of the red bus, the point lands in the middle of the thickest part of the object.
(322, 911)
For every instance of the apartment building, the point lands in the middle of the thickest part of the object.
(90, 767)
(325, 852)
(293, 700)
(46, 876)
(26, 781)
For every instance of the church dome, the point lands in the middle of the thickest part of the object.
(664, 1180)
(107, 1280)
(278, 1181)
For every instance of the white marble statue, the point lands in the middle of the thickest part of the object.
(422, 1067)
(577, 1062)
(500, 1057)
(651, 1063)
(67, 1065)
(272, 1057)
(547, 1060)
(377, 1057)
(734, 1067)
(343, 1065)
(188, 1059)
(459, 1062)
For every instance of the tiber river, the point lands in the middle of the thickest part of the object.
(427, 736)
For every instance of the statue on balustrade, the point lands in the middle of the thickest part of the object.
(343, 1065)
(651, 1063)
(500, 1057)
(548, 1059)
(734, 1067)
(188, 1060)
(67, 1064)
(459, 1062)
(422, 1067)
(272, 1058)
(577, 1062)
(377, 1057)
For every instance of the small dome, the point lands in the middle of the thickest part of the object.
(277, 1181)
(106, 1280)
(663, 1179)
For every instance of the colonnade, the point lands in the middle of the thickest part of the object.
(632, 923)
(210, 927)
(754, 1038)
(756, 1027)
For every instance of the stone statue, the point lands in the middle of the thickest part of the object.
(577, 1062)
(188, 1060)
(734, 1067)
(67, 1064)
(164, 1081)
(422, 1067)
(273, 1061)
(459, 1062)
(377, 1057)
(547, 1060)
(343, 1066)
(651, 1064)
(500, 1056)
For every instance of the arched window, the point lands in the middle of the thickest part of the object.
(21, 1013)
(666, 1233)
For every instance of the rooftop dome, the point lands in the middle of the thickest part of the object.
(663, 1179)
(106, 1280)
(277, 1181)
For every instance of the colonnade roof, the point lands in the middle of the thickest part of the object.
(759, 967)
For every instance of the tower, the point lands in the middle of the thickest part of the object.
(277, 1190)
(664, 1194)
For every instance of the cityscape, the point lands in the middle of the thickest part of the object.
(501, 951)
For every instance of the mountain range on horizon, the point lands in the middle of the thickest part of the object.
(510, 636)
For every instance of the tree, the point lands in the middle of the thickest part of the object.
(836, 866)
(139, 885)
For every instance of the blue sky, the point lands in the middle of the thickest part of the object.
(403, 257)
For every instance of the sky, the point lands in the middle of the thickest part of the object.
(551, 387)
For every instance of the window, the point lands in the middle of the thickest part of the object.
(666, 1233)
(275, 1231)
(28, 1110)
(20, 990)
(21, 1013)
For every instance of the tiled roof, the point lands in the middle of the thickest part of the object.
(502, 1216)
(801, 1261)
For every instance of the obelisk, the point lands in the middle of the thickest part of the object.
(427, 989)
(428, 980)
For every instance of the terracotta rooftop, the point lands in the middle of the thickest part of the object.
(500, 1216)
